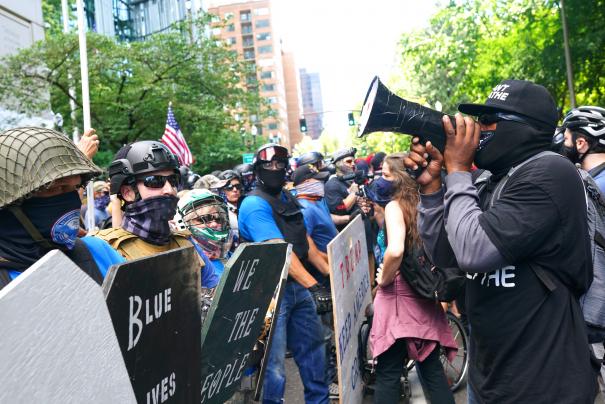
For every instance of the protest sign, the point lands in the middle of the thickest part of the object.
(237, 314)
(350, 282)
(154, 304)
(58, 343)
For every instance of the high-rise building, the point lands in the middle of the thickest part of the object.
(310, 88)
(293, 100)
(249, 30)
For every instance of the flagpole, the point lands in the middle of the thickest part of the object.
(71, 91)
(90, 200)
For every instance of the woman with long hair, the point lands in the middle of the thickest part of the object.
(405, 325)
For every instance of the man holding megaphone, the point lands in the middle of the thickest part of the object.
(521, 236)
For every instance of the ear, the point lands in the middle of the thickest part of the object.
(127, 193)
(582, 144)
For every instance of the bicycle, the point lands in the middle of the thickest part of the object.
(455, 371)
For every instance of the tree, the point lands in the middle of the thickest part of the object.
(131, 85)
(472, 45)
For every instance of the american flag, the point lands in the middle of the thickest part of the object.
(175, 141)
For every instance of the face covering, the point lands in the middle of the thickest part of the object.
(310, 189)
(148, 218)
(271, 181)
(102, 202)
(57, 218)
(382, 190)
(511, 144)
(344, 168)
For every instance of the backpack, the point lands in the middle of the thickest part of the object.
(593, 301)
(429, 281)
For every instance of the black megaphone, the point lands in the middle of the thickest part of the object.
(384, 111)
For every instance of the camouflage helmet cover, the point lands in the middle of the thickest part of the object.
(33, 157)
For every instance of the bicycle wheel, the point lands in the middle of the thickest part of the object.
(455, 371)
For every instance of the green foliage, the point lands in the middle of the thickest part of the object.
(469, 46)
(131, 85)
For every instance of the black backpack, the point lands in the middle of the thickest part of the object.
(429, 281)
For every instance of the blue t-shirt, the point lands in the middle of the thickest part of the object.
(600, 180)
(101, 252)
(255, 220)
(209, 276)
(318, 222)
(219, 267)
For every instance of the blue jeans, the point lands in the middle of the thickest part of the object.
(298, 329)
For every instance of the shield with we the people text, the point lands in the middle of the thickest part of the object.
(237, 314)
(154, 303)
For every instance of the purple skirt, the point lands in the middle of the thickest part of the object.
(400, 313)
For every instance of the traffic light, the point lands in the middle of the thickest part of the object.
(303, 125)
(351, 119)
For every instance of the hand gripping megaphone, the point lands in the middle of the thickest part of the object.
(383, 111)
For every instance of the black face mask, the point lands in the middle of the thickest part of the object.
(571, 153)
(511, 143)
(271, 181)
(57, 220)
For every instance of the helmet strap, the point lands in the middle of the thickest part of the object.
(30, 228)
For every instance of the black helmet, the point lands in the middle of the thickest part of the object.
(269, 152)
(244, 169)
(310, 158)
(140, 158)
(228, 175)
(587, 120)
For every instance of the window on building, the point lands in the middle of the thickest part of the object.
(268, 87)
(261, 11)
(247, 41)
(231, 40)
(262, 23)
(230, 27)
(272, 100)
(266, 74)
(216, 31)
(263, 36)
(246, 28)
(272, 126)
(249, 54)
(265, 49)
(228, 16)
(245, 15)
(251, 79)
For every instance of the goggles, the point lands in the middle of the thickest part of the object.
(273, 165)
(272, 152)
(158, 181)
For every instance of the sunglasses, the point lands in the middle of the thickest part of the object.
(349, 161)
(158, 181)
(209, 218)
(488, 119)
(232, 187)
(275, 164)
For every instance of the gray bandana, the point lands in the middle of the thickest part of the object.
(148, 218)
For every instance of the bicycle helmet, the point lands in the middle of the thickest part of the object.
(215, 239)
(587, 120)
(139, 158)
(246, 172)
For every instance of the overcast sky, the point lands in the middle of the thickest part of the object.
(347, 42)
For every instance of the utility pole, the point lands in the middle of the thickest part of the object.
(71, 91)
(572, 94)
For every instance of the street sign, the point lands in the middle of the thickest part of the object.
(154, 304)
(237, 313)
(350, 281)
(247, 158)
(58, 343)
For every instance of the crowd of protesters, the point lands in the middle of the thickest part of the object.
(522, 240)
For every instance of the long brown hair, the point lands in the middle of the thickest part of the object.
(405, 192)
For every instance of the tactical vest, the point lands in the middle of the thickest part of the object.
(131, 246)
(290, 221)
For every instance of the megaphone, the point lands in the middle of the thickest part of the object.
(384, 111)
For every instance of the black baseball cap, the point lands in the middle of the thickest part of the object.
(303, 173)
(519, 97)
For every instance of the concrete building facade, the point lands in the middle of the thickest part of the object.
(310, 87)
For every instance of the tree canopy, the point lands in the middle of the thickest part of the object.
(131, 84)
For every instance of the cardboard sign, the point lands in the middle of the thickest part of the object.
(350, 280)
(237, 314)
(58, 343)
(154, 304)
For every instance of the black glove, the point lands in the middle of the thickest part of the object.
(322, 297)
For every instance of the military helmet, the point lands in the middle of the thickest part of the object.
(228, 175)
(139, 158)
(33, 157)
(313, 157)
